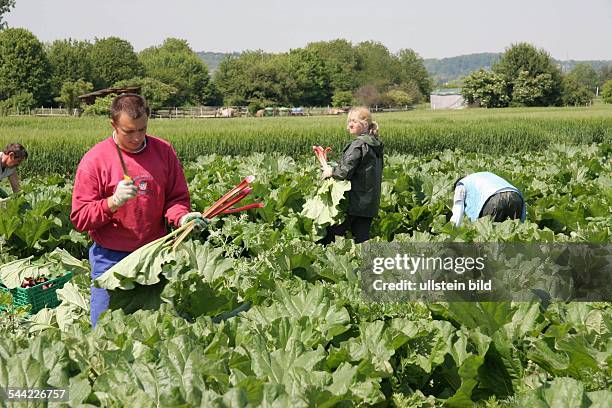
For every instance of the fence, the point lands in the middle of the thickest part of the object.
(190, 112)
(42, 111)
(207, 111)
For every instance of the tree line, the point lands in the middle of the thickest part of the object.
(171, 74)
(336, 72)
(527, 76)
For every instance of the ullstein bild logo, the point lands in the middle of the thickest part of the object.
(486, 272)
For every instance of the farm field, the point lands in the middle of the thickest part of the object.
(59, 143)
(306, 336)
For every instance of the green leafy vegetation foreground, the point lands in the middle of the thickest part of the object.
(57, 144)
(309, 338)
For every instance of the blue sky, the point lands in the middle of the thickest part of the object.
(567, 29)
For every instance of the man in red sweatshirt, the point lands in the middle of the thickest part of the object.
(121, 215)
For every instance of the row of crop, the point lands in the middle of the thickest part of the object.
(57, 144)
(310, 339)
(568, 190)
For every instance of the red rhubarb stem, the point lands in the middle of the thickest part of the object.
(243, 208)
(227, 204)
(241, 186)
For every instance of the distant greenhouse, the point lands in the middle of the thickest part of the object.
(447, 98)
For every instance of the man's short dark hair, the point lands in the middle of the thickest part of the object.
(129, 104)
(17, 149)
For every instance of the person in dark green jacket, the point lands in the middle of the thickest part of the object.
(362, 164)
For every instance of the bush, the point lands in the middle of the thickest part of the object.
(100, 108)
(20, 102)
(342, 99)
(574, 93)
(157, 93)
(254, 106)
(606, 92)
(398, 98)
(368, 95)
(486, 88)
(69, 95)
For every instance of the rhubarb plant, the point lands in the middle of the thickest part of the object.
(325, 207)
(253, 312)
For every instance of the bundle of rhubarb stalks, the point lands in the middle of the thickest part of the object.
(321, 155)
(225, 205)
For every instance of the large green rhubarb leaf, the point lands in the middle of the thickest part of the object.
(323, 208)
(142, 266)
(565, 392)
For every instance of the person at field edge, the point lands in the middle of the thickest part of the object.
(484, 193)
(12, 156)
(122, 214)
(362, 164)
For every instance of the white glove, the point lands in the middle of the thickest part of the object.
(126, 190)
(200, 222)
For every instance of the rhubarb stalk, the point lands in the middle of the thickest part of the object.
(243, 184)
(321, 154)
(243, 208)
(227, 204)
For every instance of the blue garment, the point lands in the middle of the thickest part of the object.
(479, 187)
(101, 260)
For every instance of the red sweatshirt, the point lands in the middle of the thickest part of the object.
(162, 191)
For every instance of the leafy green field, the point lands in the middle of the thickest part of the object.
(57, 144)
(309, 338)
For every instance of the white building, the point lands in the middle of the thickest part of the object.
(450, 98)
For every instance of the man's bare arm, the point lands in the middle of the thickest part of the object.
(14, 180)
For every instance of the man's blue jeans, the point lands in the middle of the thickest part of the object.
(101, 260)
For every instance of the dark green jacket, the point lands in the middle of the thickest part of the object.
(362, 163)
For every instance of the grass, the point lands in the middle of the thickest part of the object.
(57, 144)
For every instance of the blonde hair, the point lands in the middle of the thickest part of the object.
(363, 115)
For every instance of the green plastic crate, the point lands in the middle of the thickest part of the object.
(38, 297)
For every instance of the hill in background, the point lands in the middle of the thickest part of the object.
(446, 70)
(442, 70)
(451, 69)
(213, 59)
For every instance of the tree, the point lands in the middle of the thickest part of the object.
(605, 74)
(253, 77)
(575, 93)
(531, 91)
(413, 70)
(70, 61)
(306, 77)
(342, 99)
(523, 57)
(412, 90)
(380, 68)
(342, 60)
(175, 64)
(154, 91)
(586, 76)
(368, 95)
(70, 92)
(606, 92)
(228, 80)
(113, 60)
(5, 7)
(486, 88)
(23, 65)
